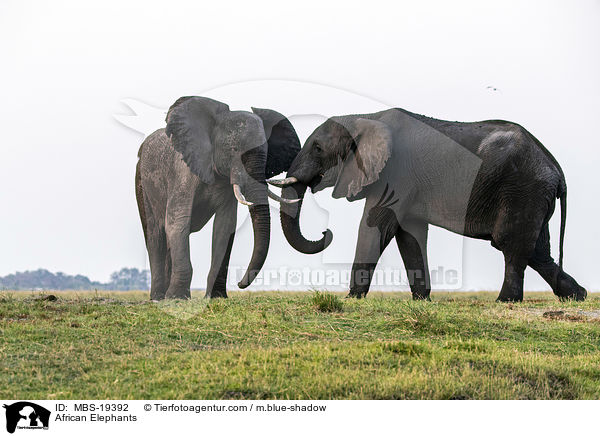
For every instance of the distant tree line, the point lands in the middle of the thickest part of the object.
(126, 279)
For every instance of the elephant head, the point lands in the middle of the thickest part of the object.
(347, 153)
(239, 148)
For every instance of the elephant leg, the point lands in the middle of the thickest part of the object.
(158, 254)
(563, 285)
(178, 232)
(514, 272)
(160, 263)
(374, 235)
(222, 241)
(515, 234)
(411, 238)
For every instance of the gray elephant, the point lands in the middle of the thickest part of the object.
(206, 160)
(489, 180)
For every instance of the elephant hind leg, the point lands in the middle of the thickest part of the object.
(156, 244)
(160, 263)
(181, 267)
(515, 234)
(562, 284)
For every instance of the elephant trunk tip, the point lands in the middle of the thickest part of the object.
(261, 222)
(327, 238)
(248, 278)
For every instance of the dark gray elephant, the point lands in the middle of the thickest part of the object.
(489, 180)
(206, 161)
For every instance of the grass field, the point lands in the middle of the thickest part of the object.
(298, 346)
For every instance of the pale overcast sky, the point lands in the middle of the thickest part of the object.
(67, 164)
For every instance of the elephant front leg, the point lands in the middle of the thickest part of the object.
(412, 243)
(222, 241)
(372, 241)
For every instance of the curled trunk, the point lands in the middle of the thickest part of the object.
(290, 223)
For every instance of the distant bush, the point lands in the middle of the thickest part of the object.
(128, 279)
(326, 302)
(124, 280)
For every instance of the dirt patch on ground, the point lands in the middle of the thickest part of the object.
(49, 297)
(572, 315)
(569, 315)
(562, 315)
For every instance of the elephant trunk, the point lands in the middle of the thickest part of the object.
(255, 189)
(261, 225)
(290, 222)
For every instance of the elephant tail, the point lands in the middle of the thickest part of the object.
(139, 195)
(563, 222)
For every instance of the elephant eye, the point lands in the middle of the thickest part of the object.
(318, 148)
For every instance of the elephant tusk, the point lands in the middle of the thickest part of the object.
(239, 196)
(281, 200)
(283, 182)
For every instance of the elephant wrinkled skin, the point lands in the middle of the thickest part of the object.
(489, 180)
(206, 160)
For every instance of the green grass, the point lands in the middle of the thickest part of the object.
(284, 345)
(326, 302)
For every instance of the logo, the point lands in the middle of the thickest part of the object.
(26, 415)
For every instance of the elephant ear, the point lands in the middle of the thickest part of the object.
(282, 140)
(366, 159)
(189, 125)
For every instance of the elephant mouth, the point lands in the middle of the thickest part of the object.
(315, 182)
(323, 180)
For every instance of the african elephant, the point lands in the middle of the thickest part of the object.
(206, 160)
(490, 180)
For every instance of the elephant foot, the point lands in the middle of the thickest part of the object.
(178, 294)
(509, 298)
(417, 297)
(568, 288)
(221, 293)
(157, 295)
(511, 292)
(357, 294)
(421, 294)
(579, 295)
